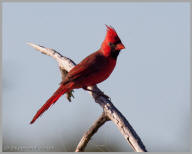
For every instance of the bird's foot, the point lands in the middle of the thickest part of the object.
(69, 95)
(98, 93)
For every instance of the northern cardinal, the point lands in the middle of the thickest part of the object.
(92, 70)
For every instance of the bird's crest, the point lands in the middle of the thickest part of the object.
(111, 35)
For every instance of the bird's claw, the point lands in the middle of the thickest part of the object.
(98, 93)
(69, 95)
(102, 94)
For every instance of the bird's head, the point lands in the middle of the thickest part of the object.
(112, 44)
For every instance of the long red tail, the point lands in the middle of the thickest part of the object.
(60, 91)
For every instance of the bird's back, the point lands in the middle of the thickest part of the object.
(92, 70)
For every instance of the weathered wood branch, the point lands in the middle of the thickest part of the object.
(92, 130)
(110, 111)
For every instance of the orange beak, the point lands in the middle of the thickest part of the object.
(119, 46)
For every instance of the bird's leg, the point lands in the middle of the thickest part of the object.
(100, 93)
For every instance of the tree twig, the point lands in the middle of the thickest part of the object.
(92, 130)
(110, 111)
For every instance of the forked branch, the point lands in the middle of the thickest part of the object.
(110, 112)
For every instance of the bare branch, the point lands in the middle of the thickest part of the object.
(121, 122)
(109, 109)
(92, 130)
(64, 62)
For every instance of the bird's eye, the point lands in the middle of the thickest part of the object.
(110, 44)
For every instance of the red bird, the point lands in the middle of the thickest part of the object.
(92, 70)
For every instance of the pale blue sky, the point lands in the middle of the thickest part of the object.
(150, 84)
